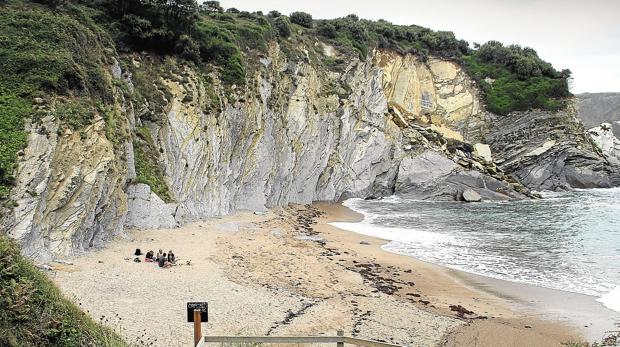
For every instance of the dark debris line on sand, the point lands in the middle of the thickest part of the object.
(383, 279)
(291, 315)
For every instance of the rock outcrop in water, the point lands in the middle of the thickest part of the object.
(598, 108)
(549, 151)
(297, 132)
(609, 144)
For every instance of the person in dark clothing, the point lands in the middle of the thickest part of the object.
(137, 252)
(171, 257)
(149, 256)
(162, 261)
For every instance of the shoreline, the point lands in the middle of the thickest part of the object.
(288, 272)
(583, 312)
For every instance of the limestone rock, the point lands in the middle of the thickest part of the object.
(430, 175)
(301, 134)
(604, 138)
(549, 151)
(470, 195)
(484, 151)
(146, 210)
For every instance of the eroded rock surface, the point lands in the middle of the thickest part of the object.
(298, 132)
(549, 151)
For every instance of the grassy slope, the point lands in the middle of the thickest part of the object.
(33, 312)
(57, 55)
(44, 53)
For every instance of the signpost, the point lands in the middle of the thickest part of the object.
(197, 312)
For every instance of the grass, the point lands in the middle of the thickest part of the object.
(33, 312)
(12, 136)
(148, 170)
(44, 53)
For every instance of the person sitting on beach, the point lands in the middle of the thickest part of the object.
(137, 252)
(171, 257)
(163, 261)
(149, 256)
(159, 254)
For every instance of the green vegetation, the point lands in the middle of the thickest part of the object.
(148, 170)
(33, 312)
(513, 78)
(302, 18)
(57, 50)
(44, 52)
(12, 137)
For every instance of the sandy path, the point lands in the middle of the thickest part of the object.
(288, 272)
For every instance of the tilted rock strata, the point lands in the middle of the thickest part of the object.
(296, 133)
(549, 151)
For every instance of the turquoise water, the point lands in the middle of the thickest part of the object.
(568, 241)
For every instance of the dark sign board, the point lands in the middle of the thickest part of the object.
(204, 311)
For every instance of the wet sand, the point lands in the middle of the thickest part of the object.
(588, 316)
(289, 272)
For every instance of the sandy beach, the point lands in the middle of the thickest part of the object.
(289, 272)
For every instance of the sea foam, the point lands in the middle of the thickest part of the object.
(611, 300)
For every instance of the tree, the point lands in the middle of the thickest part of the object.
(55, 4)
(274, 14)
(302, 18)
(211, 7)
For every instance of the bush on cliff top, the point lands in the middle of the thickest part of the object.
(33, 312)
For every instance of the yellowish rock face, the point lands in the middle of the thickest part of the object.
(436, 91)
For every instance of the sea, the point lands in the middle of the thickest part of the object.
(567, 241)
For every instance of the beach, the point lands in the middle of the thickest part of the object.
(288, 272)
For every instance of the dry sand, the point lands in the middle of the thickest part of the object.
(289, 272)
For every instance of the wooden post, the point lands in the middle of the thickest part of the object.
(197, 327)
(340, 333)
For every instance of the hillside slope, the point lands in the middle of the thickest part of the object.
(34, 313)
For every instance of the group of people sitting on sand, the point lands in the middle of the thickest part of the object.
(162, 259)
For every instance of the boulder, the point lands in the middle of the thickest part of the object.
(470, 195)
(147, 210)
(484, 151)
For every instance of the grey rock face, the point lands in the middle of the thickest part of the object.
(597, 108)
(605, 140)
(70, 191)
(549, 151)
(431, 175)
(297, 133)
(280, 148)
(146, 210)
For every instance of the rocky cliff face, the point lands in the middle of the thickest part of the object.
(598, 108)
(298, 132)
(549, 151)
(609, 144)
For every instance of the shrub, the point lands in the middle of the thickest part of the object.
(301, 18)
(326, 29)
(274, 14)
(187, 48)
(283, 26)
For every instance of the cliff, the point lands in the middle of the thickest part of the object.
(598, 108)
(170, 141)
